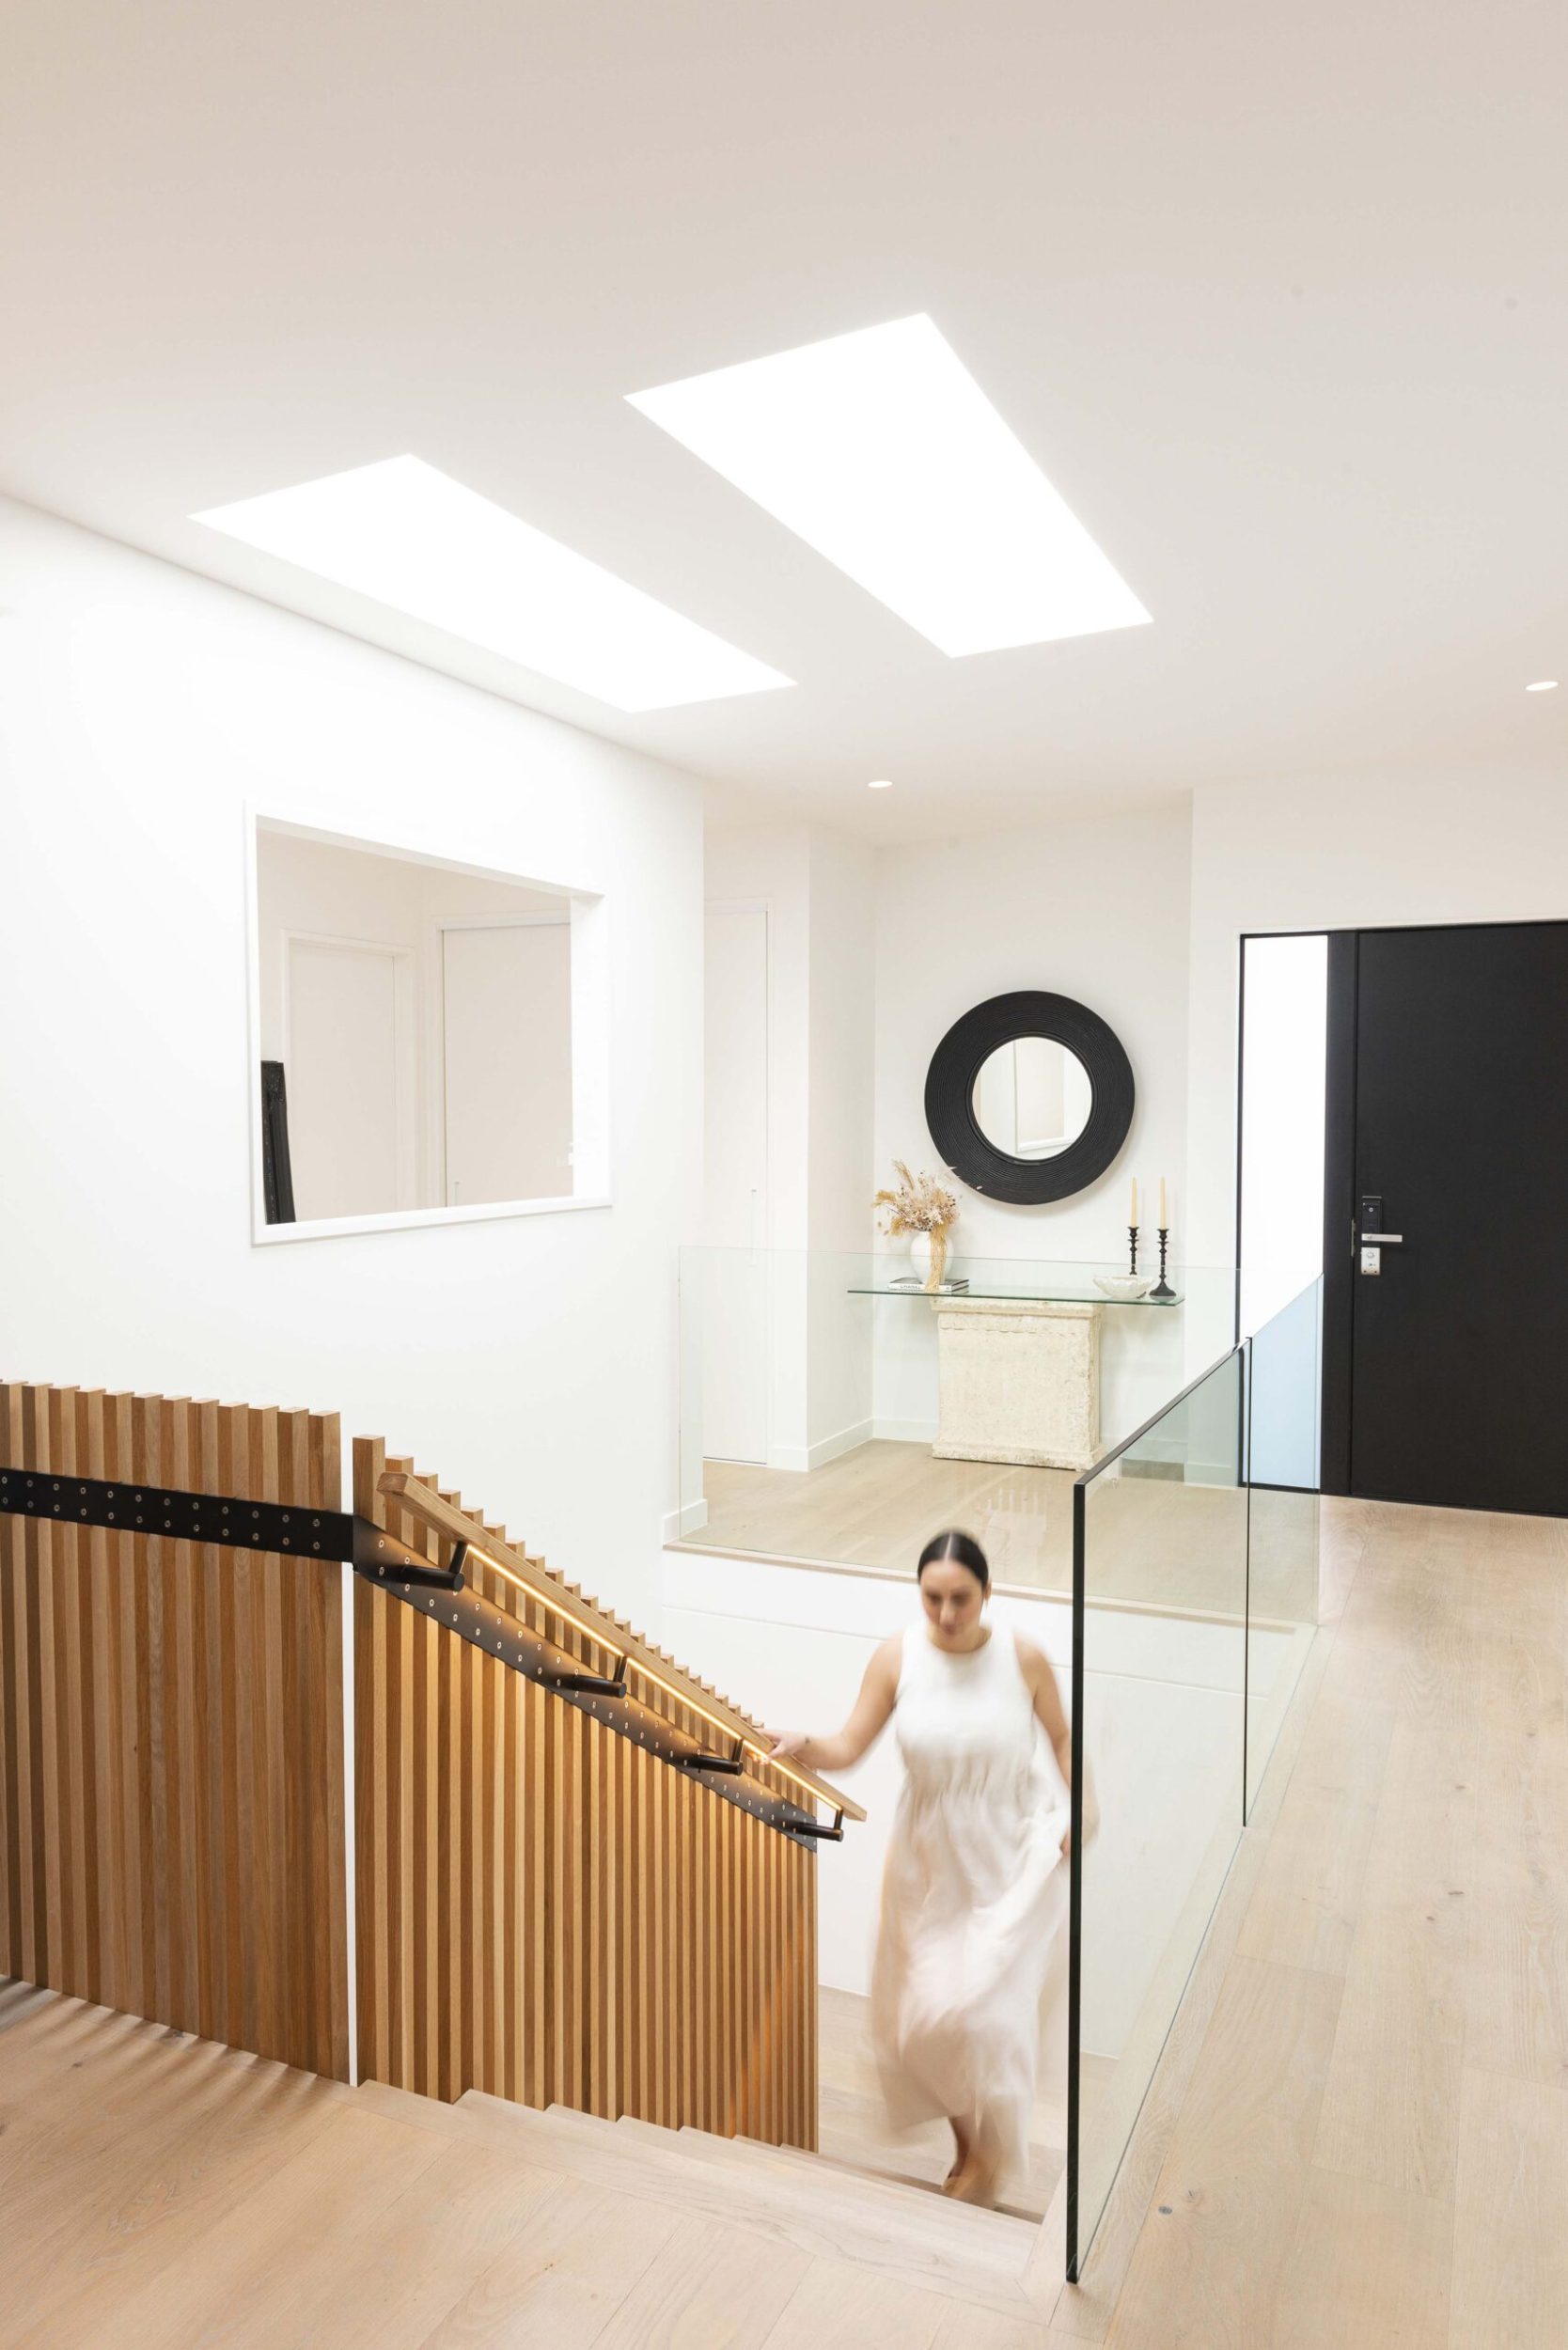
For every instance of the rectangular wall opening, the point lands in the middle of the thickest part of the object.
(425, 1038)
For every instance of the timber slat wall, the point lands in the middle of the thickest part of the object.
(544, 1909)
(548, 1912)
(171, 1733)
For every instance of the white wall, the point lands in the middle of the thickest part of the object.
(818, 889)
(842, 981)
(142, 710)
(1091, 908)
(770, 867)
(872, 959)
(1094, 908)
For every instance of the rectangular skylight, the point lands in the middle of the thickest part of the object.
(413, 538)
(880, 450)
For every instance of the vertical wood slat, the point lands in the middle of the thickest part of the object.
(171, 1733)
(96, 1628)
(604, 1931)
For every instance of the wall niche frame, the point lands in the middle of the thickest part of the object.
(956, 1064)
(586, 913)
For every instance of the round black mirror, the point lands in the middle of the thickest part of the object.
(1030, 1097)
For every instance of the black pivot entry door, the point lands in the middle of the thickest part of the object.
(1445, 1340)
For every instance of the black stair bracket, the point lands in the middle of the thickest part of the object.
(834, 1835)
(380, 1558)
(472, 1618)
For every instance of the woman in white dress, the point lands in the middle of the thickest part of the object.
(975, 1888)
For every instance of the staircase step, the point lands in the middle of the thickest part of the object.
(888, 2189)
(921, 2240)
(877, 2173)
(761, 2153)
(571, 2117)
(855, 2167)
(649, 2132)
(407, 2104)
(758, 2153)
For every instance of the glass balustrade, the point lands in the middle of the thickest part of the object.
(1159, 1671)
(1195, 1584)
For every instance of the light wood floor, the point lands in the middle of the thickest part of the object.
(1371, 2144)
(878, 1505)
(161, 2193)
(1151, 1541)
(1358, 2136)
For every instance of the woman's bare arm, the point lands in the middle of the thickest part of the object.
(869, 1719)
(1036, 1668)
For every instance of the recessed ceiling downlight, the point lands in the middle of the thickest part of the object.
(411, 537)
(881, 783)
(880, 450)
(1543, 685)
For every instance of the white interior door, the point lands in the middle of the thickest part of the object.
(735, 1351)
(350, 1078)
(507, 1034)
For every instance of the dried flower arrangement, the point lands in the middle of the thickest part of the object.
(921, 1204)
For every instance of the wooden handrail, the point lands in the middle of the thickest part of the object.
(442, 1517)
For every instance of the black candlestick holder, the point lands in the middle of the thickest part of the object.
(1132, 1251)
(1162, 1286)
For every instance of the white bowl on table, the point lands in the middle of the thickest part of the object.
(1124, 1287)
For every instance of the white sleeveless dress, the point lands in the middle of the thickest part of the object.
(973, 1896)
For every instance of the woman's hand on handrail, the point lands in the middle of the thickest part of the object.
(869, 1718)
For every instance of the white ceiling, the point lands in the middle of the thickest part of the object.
(1278, 295)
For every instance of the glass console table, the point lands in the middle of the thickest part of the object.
(1048, 1285)
(1018, 1354)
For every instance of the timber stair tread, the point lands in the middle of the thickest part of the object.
(886, 2191)
(939, 2246)
(875, 2175)
(840, 2184)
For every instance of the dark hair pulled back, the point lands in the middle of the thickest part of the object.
(963, 1548)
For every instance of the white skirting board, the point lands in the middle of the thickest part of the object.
(904, 1431)
(681, 1525)
(815, 1456)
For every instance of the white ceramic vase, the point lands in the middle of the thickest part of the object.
(928, 1254)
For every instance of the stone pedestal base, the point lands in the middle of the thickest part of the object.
(1020, 1382)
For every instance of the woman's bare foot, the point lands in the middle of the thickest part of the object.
(975, 2182)
(963, 2151)
(974, 2179)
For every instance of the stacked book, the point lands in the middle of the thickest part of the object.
(954, 1288)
